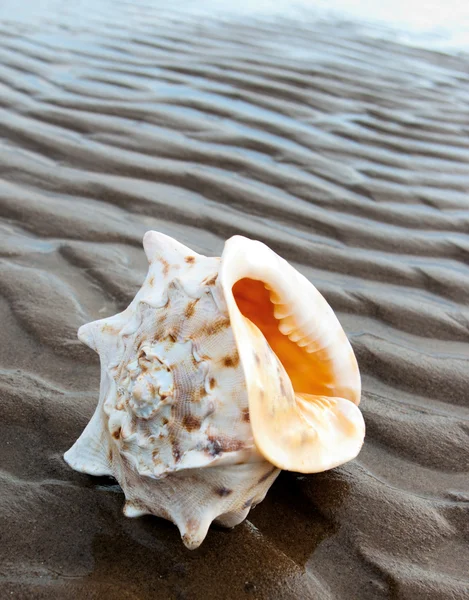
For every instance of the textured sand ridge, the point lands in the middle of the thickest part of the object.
(347, 155)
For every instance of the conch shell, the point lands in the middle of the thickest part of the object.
(219, 373)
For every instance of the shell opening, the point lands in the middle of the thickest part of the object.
(301, 373)
(308, 372)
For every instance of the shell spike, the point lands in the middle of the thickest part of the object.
(158, 245)
(86, 334)
(194, 530)
(90, 453)
(233, 518)
(133, 510)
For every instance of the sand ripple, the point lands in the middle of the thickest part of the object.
(350, 157)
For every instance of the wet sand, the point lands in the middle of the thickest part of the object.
(349, 156)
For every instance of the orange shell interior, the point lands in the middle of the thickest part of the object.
(308, 372)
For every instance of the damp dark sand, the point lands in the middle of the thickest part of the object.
(347, 155)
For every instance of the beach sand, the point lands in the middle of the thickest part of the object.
(345, 153)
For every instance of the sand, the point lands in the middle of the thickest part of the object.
(349, 156)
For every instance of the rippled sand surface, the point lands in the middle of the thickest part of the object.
(347, 155)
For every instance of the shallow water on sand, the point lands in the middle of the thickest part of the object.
(347, 155)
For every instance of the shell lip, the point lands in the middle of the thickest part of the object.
(297, 420)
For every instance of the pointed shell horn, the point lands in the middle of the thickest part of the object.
(158, 245)
(301, 373)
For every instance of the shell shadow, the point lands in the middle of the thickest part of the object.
(146, 558)
(298, 512)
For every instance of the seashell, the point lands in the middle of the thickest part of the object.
(220, 373)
